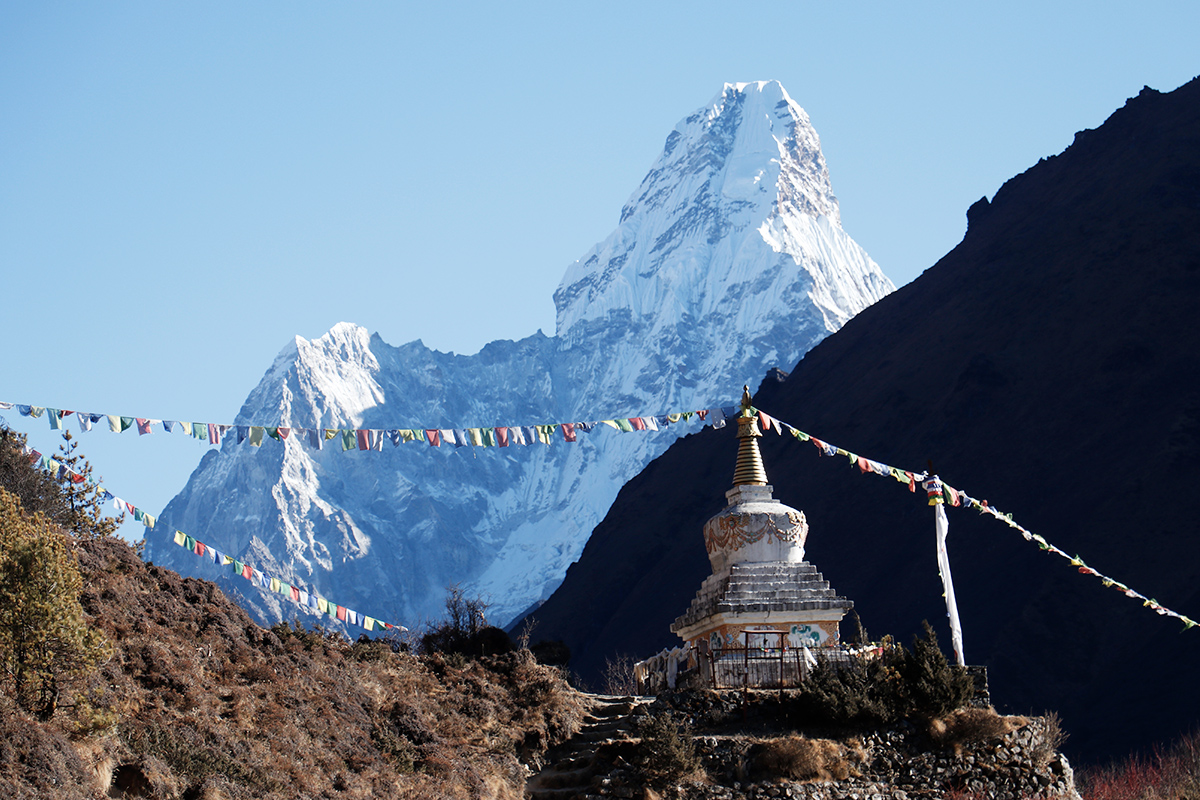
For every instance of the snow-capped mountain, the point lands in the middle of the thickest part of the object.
(729, 259)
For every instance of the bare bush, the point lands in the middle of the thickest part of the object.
(799, 758)
(968, 726)
(618, 676)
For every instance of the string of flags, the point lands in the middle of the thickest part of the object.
(369, 438)
(262, 580)
(940, 494)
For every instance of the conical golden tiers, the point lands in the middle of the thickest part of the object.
(749, 470)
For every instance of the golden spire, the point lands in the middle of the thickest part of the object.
(749, 470)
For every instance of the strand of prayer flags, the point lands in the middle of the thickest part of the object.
(256, 576)
(61, 471)
(938, 492)
(266, 582)
(373, 438)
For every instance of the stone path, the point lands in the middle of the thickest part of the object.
(573, 765)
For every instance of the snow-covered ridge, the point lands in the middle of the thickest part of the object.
(729, 259)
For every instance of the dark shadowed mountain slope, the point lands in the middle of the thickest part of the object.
(1050, 363)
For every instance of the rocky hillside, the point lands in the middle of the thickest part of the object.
(200, 702)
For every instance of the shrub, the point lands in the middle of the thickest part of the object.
(857, 694)
(465, 631)
(45, 643)
(801, 759)
(1170, 772)
(884, 690)
(971, 726)
(618, 676)
(934, 686)
(553, 653)
(668, 751)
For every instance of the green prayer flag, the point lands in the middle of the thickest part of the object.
(189, 543)
(126, 423)
(199, 430)
(625, 425)
(349, 440)
(273, 433)
(489, 437)
(406, 435)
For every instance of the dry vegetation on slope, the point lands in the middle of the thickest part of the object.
(198, 701)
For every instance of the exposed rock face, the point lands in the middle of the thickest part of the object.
(1051, 364)
(729, 259)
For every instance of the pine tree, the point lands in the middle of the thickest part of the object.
(84, 505)
(45, 642)
(36, 490)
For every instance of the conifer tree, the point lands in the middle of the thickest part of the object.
(45, 642)
(83, 512)
(36, 490)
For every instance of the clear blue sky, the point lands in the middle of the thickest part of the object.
(186, 186)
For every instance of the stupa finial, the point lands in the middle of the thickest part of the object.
(749, 470)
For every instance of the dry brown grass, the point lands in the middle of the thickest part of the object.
(798, 758)
(211, 705)
(968, 726)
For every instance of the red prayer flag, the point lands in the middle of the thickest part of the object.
(434, 437)
(702, 414)
(341, 613)
(502, 437)
(199, 550)
(364, 439)
(214, 433)
(912, 481)
(568, 429)
(283, 432)
(247, 572)
(863, 465)
(296, 594)
(143, 426)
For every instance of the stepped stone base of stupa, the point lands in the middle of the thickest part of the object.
(757, 594)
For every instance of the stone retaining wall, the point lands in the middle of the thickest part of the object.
(902, 763)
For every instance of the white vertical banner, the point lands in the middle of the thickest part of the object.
(943, 557)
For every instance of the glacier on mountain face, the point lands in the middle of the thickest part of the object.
(729, 259)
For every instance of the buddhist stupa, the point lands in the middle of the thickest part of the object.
(760, 581)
